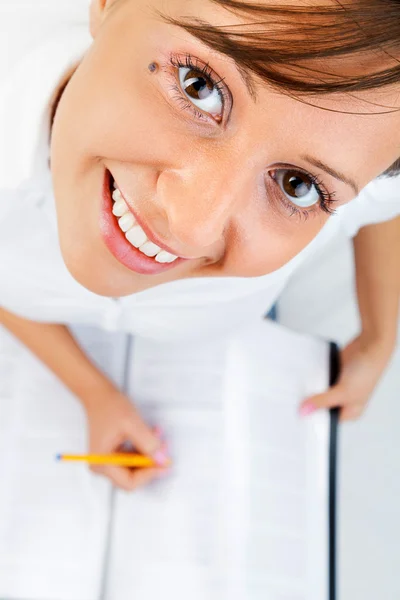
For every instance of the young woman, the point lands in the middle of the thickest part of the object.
(180, 164)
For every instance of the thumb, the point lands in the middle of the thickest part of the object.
(332, 398)
(149, 442)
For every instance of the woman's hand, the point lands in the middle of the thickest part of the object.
(363, 362)
(113, 421)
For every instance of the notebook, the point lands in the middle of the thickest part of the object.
(248, 511)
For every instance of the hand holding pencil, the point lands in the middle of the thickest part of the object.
(113, 421)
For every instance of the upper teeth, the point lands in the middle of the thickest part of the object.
(134, 233)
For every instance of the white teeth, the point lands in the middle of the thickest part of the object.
(165, 257)
(149, 249)
(134, 233)
(126, 221)
(116, 195)
(120, 208)
(136, 236)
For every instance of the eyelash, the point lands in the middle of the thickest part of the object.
(326, 198)
(195, 64)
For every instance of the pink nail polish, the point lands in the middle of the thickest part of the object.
(161, 457)
(158, 432)
(307, 409)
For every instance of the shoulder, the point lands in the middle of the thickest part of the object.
(34, 278)
(378, 201)
(20, 227)
(39, 43)
(23, 25)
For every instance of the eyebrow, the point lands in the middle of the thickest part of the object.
(336, 174)
(251, 89)
(247, 80)
(244, 74)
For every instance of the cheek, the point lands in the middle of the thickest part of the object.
(298, 233)
(275, 242)
(120, 119)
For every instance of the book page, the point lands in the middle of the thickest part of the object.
(243, 514)
(54, 515)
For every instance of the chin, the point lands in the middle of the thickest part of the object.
(90, 280)
(89, 272)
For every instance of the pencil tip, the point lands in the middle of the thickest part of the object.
(58, 456)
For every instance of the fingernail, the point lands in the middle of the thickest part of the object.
(158, 431)
(307, 409)
(161, 457)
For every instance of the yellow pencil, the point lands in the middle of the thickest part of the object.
(118, 459)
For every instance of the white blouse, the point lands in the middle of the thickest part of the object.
(34, 281)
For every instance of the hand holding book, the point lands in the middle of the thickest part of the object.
(363, 362)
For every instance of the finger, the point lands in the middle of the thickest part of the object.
(330, 399)
(147, 442)
(128, 446)
(130, 479)
(96, 469)
(119, 476)
(142, 477)
(351, 412)
(159, 432)
(161, 435)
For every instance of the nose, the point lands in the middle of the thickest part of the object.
(200, 200)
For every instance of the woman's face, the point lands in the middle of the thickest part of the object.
(230, 179)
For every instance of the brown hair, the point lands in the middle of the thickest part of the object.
(289, 45)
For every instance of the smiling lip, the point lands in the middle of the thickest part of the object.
(119, 246)
(153, 238)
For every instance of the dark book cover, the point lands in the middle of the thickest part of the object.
(334, 371)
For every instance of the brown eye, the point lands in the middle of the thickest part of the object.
(297, 186)
(197, 87)
(201, 91)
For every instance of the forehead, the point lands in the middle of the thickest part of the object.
(343, 129)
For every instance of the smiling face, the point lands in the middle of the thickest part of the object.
(230, 178)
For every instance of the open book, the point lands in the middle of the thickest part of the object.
(244, 514)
